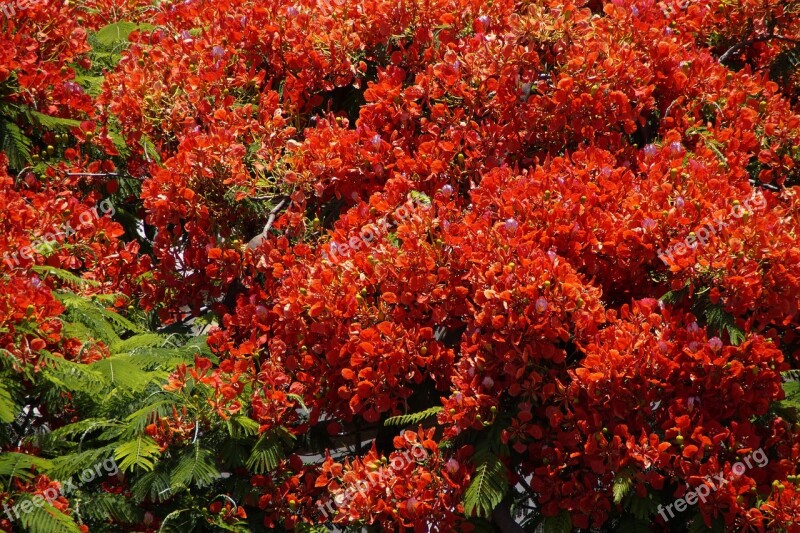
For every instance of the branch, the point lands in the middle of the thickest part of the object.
(92, 174)
(25, 423)
(502, 517)
(256, 241)
(741, 44)
(769, 186)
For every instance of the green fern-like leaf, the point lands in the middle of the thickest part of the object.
(114, 34)
(92, 84)
(629, 524)
(622, 485)
(240, 427)
(642, 507)
(561, 523)
(122, 371)
(91, 315)
(786, 63)
(413, 418)
(674, 297)
(137, 342)
(68, 465)
(8, 407)
(791, 375)
(720, 320)
(268, 451)
(21, 466)
(421, 197)
(46, 519)
(65, 434)
(105, 506)
(488, 486)
(789, 407)
(15, 144)
(152, 486)
(141, 452)
(160, 406)
(150, 150)
(50, 122)
(63, 275)
(161, 358)
(69, 376)
(196, 467)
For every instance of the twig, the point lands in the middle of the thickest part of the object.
(28, 415)
(92, 174)
(255, 241)
(501, 516)
(768, 186)
(738, 46)
(272, 215)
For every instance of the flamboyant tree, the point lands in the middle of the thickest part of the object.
(408, 265)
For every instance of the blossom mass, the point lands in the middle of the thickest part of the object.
(451, 265)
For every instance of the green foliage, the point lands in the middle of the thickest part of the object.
(50, 123)
(269, 450)
(17, 121)
(622, 486)
(674, 297)
(109, 41)
(105, 506)
(630, 524)
(152, 486)
(21, 466)
(103, 323)
(561, 523)
(789, 407)
(72, 464)
(8, 406)
(413, 418)
(720, 321)
(196, 466)
(717, 319)
(116, 398)
(488, 486)
(641, 508)
(786, 64)
(141, 452)
(46, 519)
(698, 525)
(64, 276)
(114, 34)
(67, 376)
(421, 197)
(15, 144)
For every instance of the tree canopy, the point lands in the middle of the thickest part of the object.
(402, 265)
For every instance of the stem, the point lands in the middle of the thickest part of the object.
(256, 241)
(24, 427)
(501, 516)
(747, 42)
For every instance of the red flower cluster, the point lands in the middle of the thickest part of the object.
(506, 177)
